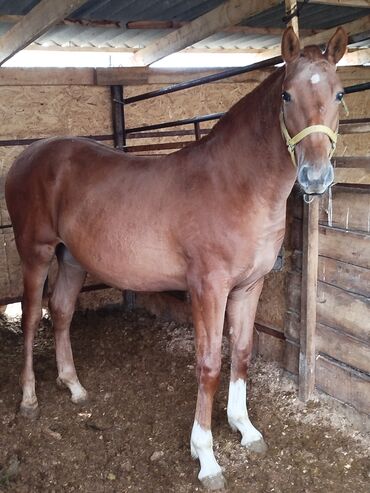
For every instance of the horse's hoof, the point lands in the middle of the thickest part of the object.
(29, 412)
(259, 446)
(214, 483)
(80, 398)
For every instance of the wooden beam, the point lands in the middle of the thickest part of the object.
(307, 351)
(356, 126)
(291, 8)
(344, 3)
(355, 27)
(152, 25)
(30, 76)
(43, 16)
(354, 176)
(227, 14)
(358, 57)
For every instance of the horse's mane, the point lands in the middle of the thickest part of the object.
(259, 94)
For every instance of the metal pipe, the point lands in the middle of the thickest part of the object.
(203, 80)
(176, 123)
(357, 88)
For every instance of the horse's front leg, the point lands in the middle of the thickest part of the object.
(208, 306)
(241, 311)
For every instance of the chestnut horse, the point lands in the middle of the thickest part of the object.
(209, 219)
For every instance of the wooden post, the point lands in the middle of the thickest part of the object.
(118, 119)
(307, 352)
(290, 8)
(197, 131)
(118, 116)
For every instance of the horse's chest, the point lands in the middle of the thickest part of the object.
(258, 252)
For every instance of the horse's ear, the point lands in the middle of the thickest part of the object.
(290, 46)
(336, 46)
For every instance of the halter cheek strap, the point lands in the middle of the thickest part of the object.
(291, 142)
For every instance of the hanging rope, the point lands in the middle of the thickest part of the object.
(294, 12)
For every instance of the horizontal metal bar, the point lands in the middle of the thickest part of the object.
(357, 88)
(204, 80)
(176, 123)
(23, 142)
(166, 133)
(158, 147)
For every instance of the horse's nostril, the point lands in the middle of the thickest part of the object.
(303, 175)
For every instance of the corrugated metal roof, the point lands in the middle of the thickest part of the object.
(313, 16)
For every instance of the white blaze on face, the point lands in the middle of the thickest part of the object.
(315, 78)
(237, 413)
(201, 443)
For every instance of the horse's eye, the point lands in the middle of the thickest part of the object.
(286, 96)
(339, 96)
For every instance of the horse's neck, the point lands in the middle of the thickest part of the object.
(249, 147)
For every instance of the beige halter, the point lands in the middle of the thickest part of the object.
(291, 142)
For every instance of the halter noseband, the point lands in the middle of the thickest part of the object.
(291, 142)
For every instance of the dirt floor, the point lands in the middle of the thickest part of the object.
(134, 433)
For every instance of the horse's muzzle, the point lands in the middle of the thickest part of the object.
(315, 180)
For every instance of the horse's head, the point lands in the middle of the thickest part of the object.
(311, 95)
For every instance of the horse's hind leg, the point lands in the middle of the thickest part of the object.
(35, 271)
(240, 312)
(69, 281)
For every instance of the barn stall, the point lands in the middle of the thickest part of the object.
(313, 316)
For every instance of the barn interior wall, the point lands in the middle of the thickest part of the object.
(45, 111)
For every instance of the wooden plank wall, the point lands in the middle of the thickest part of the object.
(343, 295)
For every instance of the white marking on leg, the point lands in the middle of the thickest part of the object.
(237, 413)
(79, 394)
(201, 444)
(315, 78)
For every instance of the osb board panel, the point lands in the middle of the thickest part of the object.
(348, 209)
(93, 300)
(272, 304)
(210, 98)
(7, 157)
(284, 352)
(165, 306)
(44, 111)
(10, 271)
(344, 384)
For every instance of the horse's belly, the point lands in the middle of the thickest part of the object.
(135, 265)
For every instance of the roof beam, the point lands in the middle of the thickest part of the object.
(344, 3)
(43, 16)
(227, 14)
(358, 57)
(135, 76)
(152, 25)
(352, 28)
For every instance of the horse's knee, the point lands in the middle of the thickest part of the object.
(241, 360)
(208, 372)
